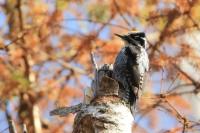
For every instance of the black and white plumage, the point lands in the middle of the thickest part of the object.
(131, 64)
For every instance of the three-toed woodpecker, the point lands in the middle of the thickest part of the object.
(131, 64)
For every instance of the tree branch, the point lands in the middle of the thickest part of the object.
(64, 111)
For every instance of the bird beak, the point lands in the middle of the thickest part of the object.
(120, 36)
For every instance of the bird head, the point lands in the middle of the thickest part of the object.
(134, 38)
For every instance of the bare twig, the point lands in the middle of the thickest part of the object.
(18, 6)
(172, 16)
(94, 61)
(12, 128)
(186, 75)
(95, 21)
(70, 29)
(162, 79)
(184, 125)
(4, 130)
(19, 37)
(179, 116)
(24, 128)
(73, 68)
(36, 119)
(23, 41)
(63, 111)
(173, 81)
(193, 21)
(11, 124)
(144, 112)
(156, 17)
(121, 14)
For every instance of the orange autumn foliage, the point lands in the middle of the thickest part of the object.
(45, 51)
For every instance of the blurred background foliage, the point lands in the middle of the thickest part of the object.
(45, 48)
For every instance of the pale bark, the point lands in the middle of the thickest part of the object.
(107, 114)
(104, 111)
(11, 124)
(36, 119)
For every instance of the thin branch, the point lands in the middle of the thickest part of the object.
(103, 26)
(27, 66)
(173, 81)
(70, 29)
(19, 37)
(156, 17)
(18, 6)
(4, 130)
(63, 111)
(172, 16)
(73, 68)
(11, 124)
(36, 119)
(23, 41)
(179, 93)
(162, 79)
(193, 21)
(184, 125)
(12, 128)
(95, 21)
(176, 111)
(121, 14)
(179, 86)
(148, 110)
(93, 61)
(24, 128)
(186, 75)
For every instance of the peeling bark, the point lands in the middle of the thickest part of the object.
(106, 114)
(105, 111)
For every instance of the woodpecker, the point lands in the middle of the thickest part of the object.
(131, 64)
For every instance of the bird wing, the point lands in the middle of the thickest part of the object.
(132, 52)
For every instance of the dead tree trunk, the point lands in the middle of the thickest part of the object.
(103, 110)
